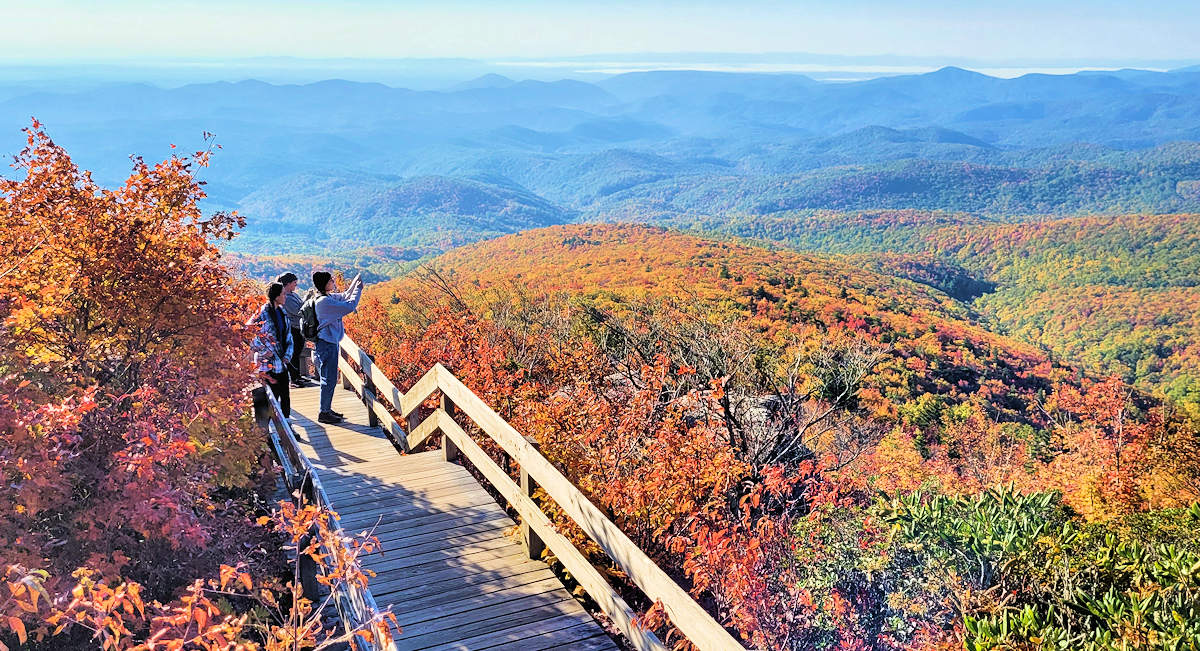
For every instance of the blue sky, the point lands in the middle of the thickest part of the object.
(74, 30)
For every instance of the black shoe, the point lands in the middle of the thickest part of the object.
(340, 416)
(328, 418)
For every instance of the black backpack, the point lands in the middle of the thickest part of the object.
(308, 317)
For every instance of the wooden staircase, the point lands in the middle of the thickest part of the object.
(455, 569)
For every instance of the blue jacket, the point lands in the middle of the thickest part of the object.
(330, 310)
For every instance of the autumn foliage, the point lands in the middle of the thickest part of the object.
(827, 458)
(739, 412)
(129, 465)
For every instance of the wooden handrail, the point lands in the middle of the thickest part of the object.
(685, 613)
(356, 606)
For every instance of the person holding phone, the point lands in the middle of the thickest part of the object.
(331, 307)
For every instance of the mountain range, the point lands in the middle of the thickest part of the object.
(339, 165)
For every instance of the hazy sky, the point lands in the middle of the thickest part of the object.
(57, 30)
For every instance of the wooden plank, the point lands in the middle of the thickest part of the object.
(699, 627)
(550, 589)
(396, 466)
(374, 495)
(435, 582)
(396, 478)
(414, 460)
(458, 588)
(564, 631)
(348, 454)
(398, 540)
(424, 640)
(438, 523)
(354, 443)
(333, 459)
(397, 471)
(472, 499)
(391, 489)
(481, 564)
(575, 562)
(466, 554)
(465, 544)
(464, 497)
(345, 457)
(440, 520)
(400, 490)
(502, 615)
(583, 637)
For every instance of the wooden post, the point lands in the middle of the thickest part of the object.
(308, 567)
(533, 543)
(308, 571)
(414, 421)
(368, 397)
(449, 449)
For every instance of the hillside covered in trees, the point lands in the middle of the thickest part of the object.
(1115, 294)
(828, 456)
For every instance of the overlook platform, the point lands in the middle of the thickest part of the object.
(451, 567)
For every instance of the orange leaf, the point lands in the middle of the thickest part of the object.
(19, 626)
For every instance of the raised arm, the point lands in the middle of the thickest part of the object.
(336, 306)
(353, 290)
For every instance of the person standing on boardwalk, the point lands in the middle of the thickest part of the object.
(331, 305)
(291, 307)
(272, 347)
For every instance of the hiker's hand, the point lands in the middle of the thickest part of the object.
(266, 377)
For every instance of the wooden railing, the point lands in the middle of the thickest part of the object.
(371, 384)
(355, 606)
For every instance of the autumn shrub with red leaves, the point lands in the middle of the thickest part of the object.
(129, 464)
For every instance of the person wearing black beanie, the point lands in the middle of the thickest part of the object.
(331, 306)
(321, 280)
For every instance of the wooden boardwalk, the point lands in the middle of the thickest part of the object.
(451, 568)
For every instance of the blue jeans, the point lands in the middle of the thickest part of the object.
(327, 357)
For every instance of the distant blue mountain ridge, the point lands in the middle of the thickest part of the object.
(341, 164)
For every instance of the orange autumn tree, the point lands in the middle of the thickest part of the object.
(122, 356)
(1104, 462)
(126, 451)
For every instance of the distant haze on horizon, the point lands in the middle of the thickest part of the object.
(1067, 34)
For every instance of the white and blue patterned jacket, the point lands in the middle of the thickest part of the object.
(269, 353)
